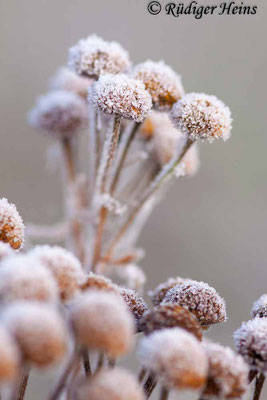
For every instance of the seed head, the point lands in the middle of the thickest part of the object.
(158, 294)
(250, 341)
(69, 81)
(93, 56)
(259, 308)
(99, 282)
(38, 330)
(227, 374)
(112, 384)
(135, 304)
(200, 299)
(176, 357)
(200, 116)
(23, 277)
(101, 321)
(122, 96)
(59, 113)
(163, 84)
(5, 250)
(9, 356)
(11, 225)
(170, 316)
(64, 266)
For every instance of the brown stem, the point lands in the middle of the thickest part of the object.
(164, 393)
(111, 362)
(142, 375)
(149, 385)
(258, 386)
(251, 376)
(100, 362)
(20, 391)
(86, 363)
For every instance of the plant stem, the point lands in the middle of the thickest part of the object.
(258, 386)
(86, 363)
(149, 385)
(20, 390)
(141, 375)
(100, 362)
(251, 376)
(112, 362)
(164, 393)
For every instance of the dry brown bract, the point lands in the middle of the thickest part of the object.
(135, 304)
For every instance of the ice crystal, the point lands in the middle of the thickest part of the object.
(157, 295)
(112, 204)
(135, 304)
(11, 225)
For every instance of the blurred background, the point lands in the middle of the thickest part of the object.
(212, 227)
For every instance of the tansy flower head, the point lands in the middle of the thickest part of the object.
(135, 304)
(93, 56)
(9, 356)
(201, 116)
(122, 96)
(11, 225)
(65, 79)
(259, 308)
(5, 250)
(99, 282)
(157, 295)
(163, 84)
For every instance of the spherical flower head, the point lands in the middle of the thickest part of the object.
(65, 79)
(250, 341)
(38, 330)
(170, 316)
(11, 225)
(59, 113)
(9, 356)
(5, 250)
(64, 266)
(122, 96)
(176, 357)
(99, 282)
(110, 384)
(101, 321)
(158, 294)
(163, 84)
(201, 116)
(22, 277)
(227, 373)
(259, 308)
(93, 56)
(135, 303)
(200, 299)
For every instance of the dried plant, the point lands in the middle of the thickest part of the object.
(83, 302)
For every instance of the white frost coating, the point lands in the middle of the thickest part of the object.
(11, 225)
(122, 96)
(174, 354)
(157, 295)
(201, 116)
(65, 79)
(259, 308)
(180, 170)
(59, 112)
(135, 302)
(251, 342)
(94, 56)
(163, 84)
(5, 250)
(112, 204)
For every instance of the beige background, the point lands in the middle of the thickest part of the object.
(212, 227)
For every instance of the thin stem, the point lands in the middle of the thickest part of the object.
(100, 362)
(258, 386)
(20, 391)
(164, 393)
(142, 375)
(251, 376)
(111, 362)
(149, 385)
(86, 363)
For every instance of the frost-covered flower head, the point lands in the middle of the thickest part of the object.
(133, 276)
(201, 116)
(176, 357)
(259, 308)
(5, 250)
(9, 356)
(157, 295)
(163, 84)
(227, 374)
(135, 303)
(99, 282)
(93, 56)
(170, 316)
(38, 330)
(65, 79)
(59, 113)
(11, 225)
(200, 299)
(110, 384)
(122, 96)
(250, 341)
(22, 277)
(101, 321)
(64, 266)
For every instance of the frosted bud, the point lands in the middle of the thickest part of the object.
(259, 308)
(5, 250)
(9, 356)
(135, 303)
(157, 295)
(65, 79)
(99, 282)
(11, 225)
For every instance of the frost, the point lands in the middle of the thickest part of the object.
(112, 204)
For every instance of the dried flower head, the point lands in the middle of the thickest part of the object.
(157, 295)
(250, 341)
(38, 330)
(99, 282)
(170, 316)
(227, 374)
(64, 266)
(135, 303)
(122, 96)
(5, 250)
(201, 116)
(59, 113)
(163, 84)
(93, 56)
(133, 276)
(11, 225)
(101, 321)
(176, 357)
(112, 384)
(259, 308)
(201, 299)
(23, 277)
(65, 79)
(9, 356)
